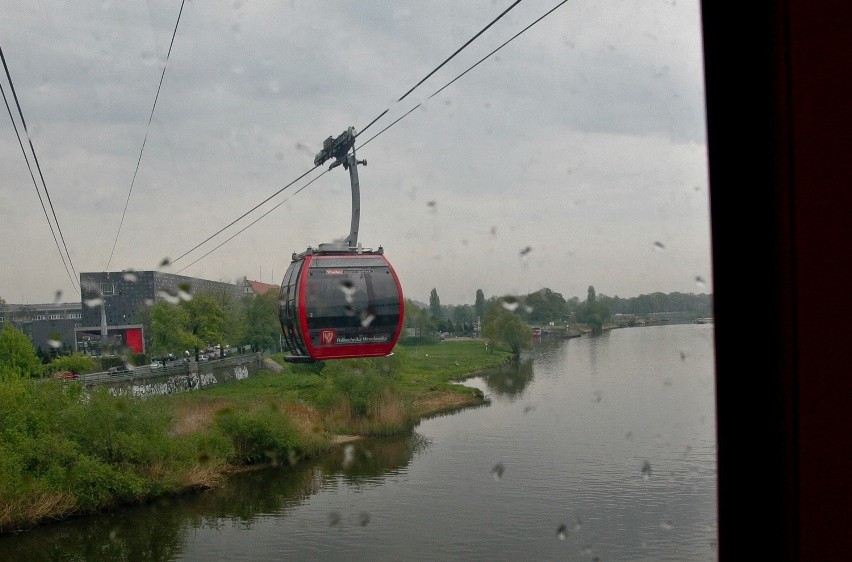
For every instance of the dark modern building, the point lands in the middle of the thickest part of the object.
(123, 293)
(111, 302)
(49, 326)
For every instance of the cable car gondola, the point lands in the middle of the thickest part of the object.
(340, 300)
(337, 305)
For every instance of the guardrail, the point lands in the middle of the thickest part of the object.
(145, 371)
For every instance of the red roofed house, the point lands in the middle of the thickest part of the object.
(258, 288)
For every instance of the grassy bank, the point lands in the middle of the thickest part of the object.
(65, 452)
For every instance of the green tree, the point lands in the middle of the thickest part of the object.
(169, 329)
(262, 324)
(234, 326)
(479, 305)
(435, 305)
(205, 319)
(18, 358)
(593, 312)
(418, 318)
(236, 315)
(463, 314)
(545, 305)
(502, 326)
(76, 363)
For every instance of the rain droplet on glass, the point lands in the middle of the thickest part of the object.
(562, 532)
(168, 297)
(55, 344)
(348, 455)
(348, 289)
(497, 471)
(659, 246)
(57, 296)
(91, 303)
(646, 470)
(510, 303)
(363, 519)
(130, 277)
(165, 262)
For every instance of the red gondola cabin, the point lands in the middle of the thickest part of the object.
(340, 305)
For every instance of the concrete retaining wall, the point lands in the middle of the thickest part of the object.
(198, 376)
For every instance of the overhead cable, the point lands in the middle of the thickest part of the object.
(254, 221)
(145, 140)
(41, 175)
(460, 49)
(471, 67)
(448, 59)
(363, 144)
(241, 217)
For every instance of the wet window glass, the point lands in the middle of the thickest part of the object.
(535, 174)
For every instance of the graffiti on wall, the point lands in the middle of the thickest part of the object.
(180, 383)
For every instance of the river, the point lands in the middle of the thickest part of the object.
(593, 448)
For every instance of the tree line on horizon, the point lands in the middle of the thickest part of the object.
(546, 305)
(506, 319)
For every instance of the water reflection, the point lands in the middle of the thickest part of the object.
(156, 536)
(510, 381)
(158, 531)
(368, 460)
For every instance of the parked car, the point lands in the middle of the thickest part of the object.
(155, 365)
(120, 370)
(65, 375)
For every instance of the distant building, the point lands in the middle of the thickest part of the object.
(112, 302)
(257, 287)
(49, 326)
(123, 293)
(119, 296)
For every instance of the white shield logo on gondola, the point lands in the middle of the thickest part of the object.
(327, 337)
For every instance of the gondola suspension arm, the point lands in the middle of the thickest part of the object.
(338, 148)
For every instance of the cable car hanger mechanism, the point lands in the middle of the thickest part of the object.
(338, 149)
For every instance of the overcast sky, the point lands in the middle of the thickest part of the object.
(575, 156)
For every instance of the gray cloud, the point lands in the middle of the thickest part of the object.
(583, 139)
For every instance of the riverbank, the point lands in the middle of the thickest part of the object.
(65, 453)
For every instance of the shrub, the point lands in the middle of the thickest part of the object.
(96, 484)
(77, 363)
(263, 433)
